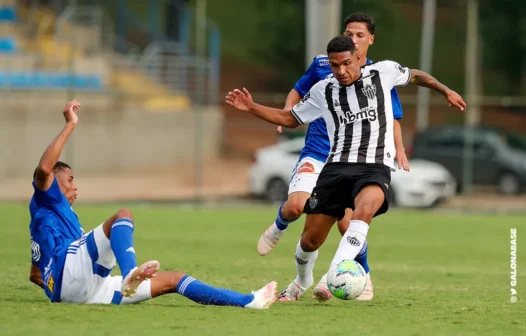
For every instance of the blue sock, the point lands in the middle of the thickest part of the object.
(121, 241)
(281, 222)
(361, 258)
(204, 294)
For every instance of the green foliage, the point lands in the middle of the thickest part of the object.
(503, 32)
(283, 24)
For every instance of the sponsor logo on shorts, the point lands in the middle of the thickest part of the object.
(301, 261)
(353, 241)
(386, 185)
(307, 167)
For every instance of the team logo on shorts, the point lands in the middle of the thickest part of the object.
(307, 167)
(369, 91)
(313, 201)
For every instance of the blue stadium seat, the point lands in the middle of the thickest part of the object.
(49, 80)
(7, 14)
(7, 44)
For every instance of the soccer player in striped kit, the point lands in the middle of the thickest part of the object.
(357, 108)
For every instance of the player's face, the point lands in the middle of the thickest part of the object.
(345, 66)
(66, 184)
(361, 37)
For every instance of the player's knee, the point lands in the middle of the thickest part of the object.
(364, 212)
(124, 213)
(296, 209)
(292, 209)
(309, 243)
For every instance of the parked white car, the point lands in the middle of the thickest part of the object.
(426, 185)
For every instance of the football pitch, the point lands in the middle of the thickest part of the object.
(433, 274)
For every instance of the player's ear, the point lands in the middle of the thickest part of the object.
(371, 40)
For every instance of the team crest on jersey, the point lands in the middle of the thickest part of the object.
(369, 91)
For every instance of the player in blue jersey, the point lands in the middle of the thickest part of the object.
(73, 266)
(360, 27)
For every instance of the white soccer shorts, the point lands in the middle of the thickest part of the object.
(305, 175)
(86, 277)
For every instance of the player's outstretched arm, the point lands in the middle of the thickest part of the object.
(292, 99)
(44, 173)
(242, 100)
(35, 276)
(424, 79)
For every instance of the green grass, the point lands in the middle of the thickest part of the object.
(434, 274)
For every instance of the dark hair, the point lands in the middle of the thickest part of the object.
(58, 166)
(341, 43)
(363, 18)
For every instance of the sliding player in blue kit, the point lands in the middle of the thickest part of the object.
(73, 266)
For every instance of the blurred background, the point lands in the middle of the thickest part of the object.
(151, 76)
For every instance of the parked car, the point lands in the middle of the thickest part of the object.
(426, 185)
(498, 159)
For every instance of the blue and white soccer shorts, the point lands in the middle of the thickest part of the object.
(86, 277)
(305, 175)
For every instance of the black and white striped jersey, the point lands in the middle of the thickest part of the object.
(359, 117)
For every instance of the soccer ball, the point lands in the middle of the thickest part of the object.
(346, 280)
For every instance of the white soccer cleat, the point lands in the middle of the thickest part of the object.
(264, 297)
(321, 291)
(269, 239)
(368, 293)
(137, 276)
(292, 292)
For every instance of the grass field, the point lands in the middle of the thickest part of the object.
(434, 274)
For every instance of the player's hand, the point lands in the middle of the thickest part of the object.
(240, 100)
(455, 100)
(70, 112)
(402, 160)
(280, 129)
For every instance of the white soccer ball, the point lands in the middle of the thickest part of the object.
(346, 280)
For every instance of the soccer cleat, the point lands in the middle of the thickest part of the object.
(368, 293)
(292, 292)
(264, 297)
(321, 291)
(137, 276)
(269, 239)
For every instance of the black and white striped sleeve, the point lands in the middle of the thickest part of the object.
(311, 105)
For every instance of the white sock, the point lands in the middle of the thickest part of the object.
(352, 241)
(304, 265)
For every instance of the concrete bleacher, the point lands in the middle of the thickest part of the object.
(24, 68)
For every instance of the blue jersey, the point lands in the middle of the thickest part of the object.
(54, 226)
(317, 142)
